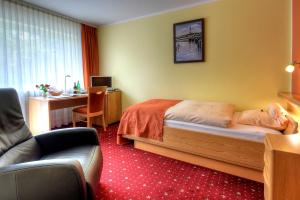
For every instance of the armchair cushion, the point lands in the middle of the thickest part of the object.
(90, 158)
(47, 180)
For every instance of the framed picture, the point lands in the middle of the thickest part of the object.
(189, 41)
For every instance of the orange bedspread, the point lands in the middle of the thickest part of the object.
(145, 119)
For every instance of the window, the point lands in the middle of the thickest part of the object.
(37, 47)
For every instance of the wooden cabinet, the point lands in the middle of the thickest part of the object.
(282, 167)
(113, 107)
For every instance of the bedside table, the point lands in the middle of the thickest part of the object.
(282, 167)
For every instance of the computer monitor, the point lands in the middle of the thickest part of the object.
(101, 81)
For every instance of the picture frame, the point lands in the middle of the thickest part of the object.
(188, 40)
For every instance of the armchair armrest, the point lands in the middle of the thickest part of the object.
(61, 139)
(47, 180)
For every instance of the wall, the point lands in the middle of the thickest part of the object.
(248, 45)
(296, 45)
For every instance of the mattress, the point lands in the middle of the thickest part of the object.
(246, 132)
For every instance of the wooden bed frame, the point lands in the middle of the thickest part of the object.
(243, 158)
(234, 156)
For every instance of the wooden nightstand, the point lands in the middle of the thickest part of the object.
(282, 167)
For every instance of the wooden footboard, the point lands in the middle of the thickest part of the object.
(231, 155)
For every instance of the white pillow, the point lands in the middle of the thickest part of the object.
(208, 113)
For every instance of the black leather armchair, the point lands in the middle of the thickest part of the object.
(64, 164)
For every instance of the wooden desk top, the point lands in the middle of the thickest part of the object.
(59, 98)
(60, 102)
(65, 97)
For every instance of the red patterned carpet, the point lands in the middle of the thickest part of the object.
(133, 174)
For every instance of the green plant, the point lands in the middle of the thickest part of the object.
(43, 87)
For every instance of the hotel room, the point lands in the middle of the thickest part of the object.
(137, 99)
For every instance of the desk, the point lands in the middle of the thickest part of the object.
(40, 107)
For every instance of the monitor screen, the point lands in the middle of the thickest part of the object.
(100, 81)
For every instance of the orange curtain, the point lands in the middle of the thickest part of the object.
(90, 53)
(296, 46)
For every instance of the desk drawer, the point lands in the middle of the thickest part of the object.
(66, 103)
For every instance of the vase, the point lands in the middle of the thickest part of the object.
(45, 94)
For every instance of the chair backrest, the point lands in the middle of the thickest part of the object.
(13, 129)
(96, 99)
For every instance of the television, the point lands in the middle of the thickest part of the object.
(101, 81)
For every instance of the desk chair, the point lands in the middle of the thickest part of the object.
(94, 107)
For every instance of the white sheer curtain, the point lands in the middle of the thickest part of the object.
(37, 47)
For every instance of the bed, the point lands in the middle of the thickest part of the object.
(237, 150)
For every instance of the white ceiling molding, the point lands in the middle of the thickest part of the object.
(51, 12)
(105, 12)
(165, 11)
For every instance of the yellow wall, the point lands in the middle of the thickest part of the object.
(247, 47)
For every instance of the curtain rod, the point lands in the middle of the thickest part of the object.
(51, 12)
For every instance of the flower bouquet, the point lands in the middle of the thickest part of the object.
(44, 88)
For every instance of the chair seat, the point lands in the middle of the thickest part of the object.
(89, 157)
(84, 154)
(81, 109)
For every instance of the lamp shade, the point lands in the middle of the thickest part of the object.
(290, 68)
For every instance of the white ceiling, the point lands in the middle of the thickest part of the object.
(98, 12)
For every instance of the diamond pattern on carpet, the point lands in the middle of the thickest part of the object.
(133, 174)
